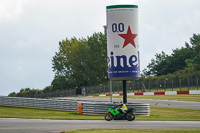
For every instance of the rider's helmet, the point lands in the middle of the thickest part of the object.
(121, 103)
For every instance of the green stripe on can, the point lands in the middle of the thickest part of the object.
(121, 6)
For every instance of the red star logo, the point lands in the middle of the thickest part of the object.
(129, 37)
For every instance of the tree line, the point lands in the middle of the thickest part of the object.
(184, 62)
(83, 62)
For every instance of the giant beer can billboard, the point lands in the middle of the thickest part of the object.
(122, 42)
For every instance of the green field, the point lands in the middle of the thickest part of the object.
(157, 113)
(12, 112)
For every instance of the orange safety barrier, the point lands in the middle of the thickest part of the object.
(79, 108)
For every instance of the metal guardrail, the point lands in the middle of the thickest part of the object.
(87, 107)
(102, 108)
(50, 104)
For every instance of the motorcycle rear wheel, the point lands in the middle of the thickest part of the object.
(108, 117)
(130, 116)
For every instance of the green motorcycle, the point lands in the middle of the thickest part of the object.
(116, 114)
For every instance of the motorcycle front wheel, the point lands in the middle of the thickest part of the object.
(130, 116)
(108, 117)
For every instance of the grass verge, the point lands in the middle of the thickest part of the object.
(171, 114)
(12, 112)
(135, 131)
(157, 114)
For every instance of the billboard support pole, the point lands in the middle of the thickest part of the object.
(111, 92)
(124, 92)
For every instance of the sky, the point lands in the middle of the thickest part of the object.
(30, 31)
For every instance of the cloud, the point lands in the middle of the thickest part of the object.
(10, 11)
(166, 25)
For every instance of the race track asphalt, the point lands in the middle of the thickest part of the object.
(56, 126)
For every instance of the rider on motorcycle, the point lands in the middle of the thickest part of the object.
(122, 107)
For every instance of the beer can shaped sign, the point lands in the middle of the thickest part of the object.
(122, 42)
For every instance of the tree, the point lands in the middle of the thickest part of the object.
(47, 89)
(26, 92)
(157, 66)
(195, 41)
(68, 64)
(96, 65)
(180, 59)
(80, 62)
(12, 94)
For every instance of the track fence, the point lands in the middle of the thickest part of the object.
(132, 87)
(146, 86)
